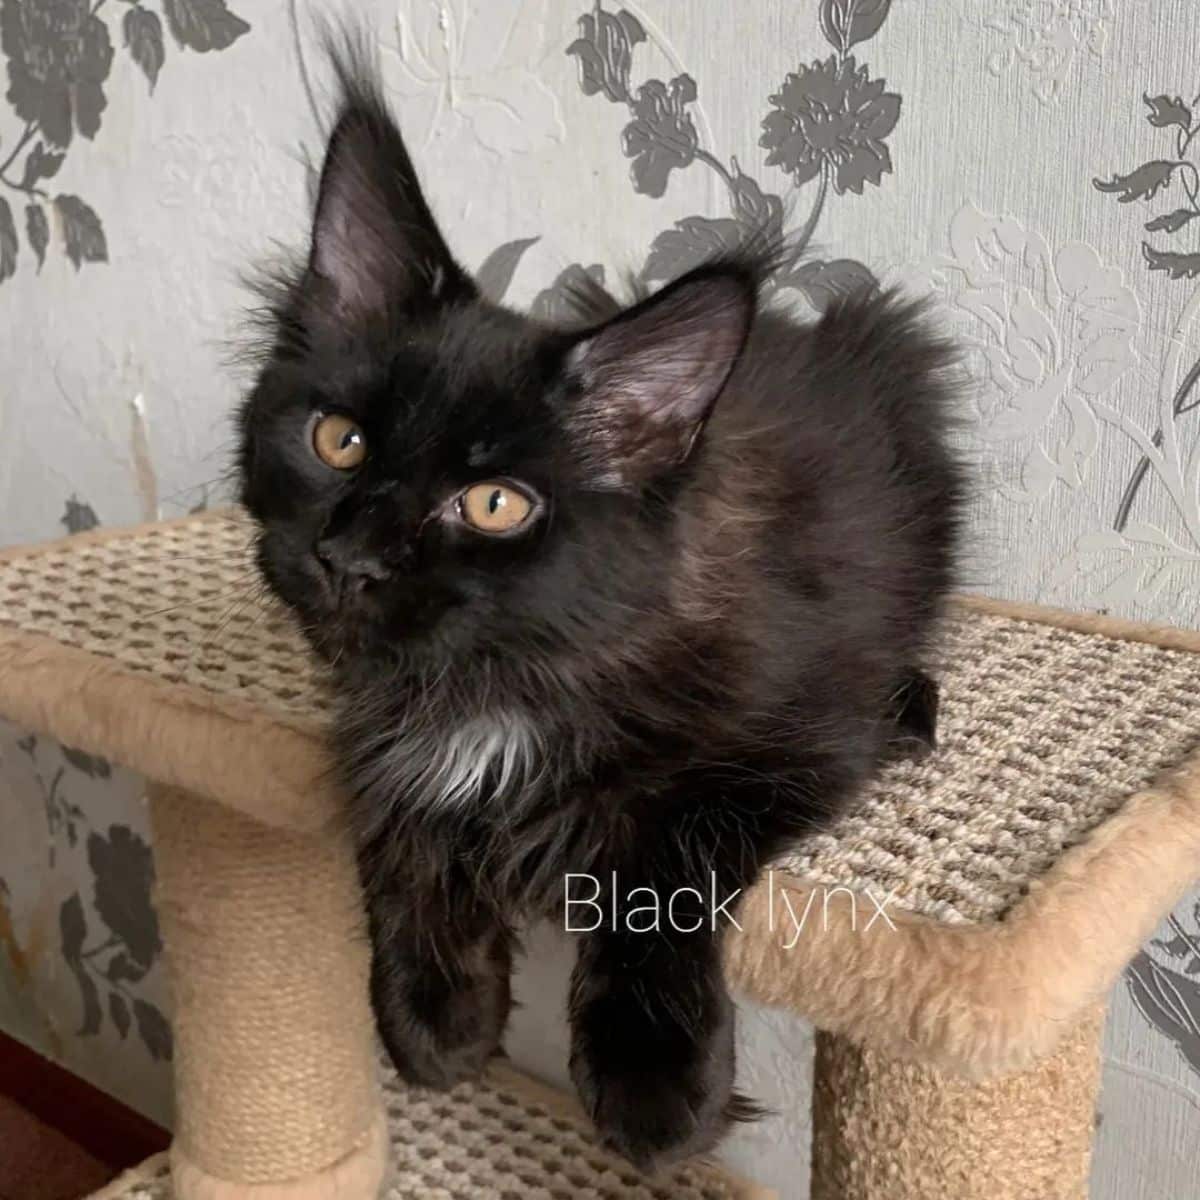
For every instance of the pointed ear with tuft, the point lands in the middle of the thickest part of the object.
(375, 247)
(646, 382)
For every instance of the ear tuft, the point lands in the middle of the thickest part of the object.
(375, 246)
(648, 379)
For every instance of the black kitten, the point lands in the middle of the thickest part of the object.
(648, 596)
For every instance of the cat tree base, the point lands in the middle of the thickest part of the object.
(360, 1174)
(276, 1096)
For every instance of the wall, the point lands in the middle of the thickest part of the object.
(1032, 163)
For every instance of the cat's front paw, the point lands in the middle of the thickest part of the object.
(654, 1121)
(657, 1095)
(437, 1032)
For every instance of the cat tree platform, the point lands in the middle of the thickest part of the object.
(1018, 870)
(506, 1136)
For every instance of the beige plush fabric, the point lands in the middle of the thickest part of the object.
(890, 1130)
(978, 999)
(504, 1138)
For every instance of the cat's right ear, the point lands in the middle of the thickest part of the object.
(376, 250)
(646, 381)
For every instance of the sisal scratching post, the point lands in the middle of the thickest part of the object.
(886, 1129)
(274, 1062)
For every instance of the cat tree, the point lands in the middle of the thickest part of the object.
(960, 929)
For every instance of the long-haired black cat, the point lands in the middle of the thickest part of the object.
(646, 596)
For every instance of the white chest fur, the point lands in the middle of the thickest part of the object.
(451, 767)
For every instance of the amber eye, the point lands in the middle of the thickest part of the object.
(339, 442)
(494, 507)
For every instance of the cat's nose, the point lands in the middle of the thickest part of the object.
(351, 568)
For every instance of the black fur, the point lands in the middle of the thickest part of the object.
(705, 642)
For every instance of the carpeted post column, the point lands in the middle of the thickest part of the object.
(890, 1130)
(275, 1083)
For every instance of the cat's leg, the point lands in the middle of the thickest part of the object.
(652, 1042)
(440, 969)
(652, 1022)
(912, 710)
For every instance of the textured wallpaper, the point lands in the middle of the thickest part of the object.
(1031, 165)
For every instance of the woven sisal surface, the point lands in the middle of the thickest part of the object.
(506, 1138)
(274, 1041)
(179, 601)
(1044, 731)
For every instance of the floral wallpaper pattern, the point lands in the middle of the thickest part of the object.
(1043, 39)
(1031, 165)
(1164, 981)
(59, 54)
(1050, 328)
(1162, 453)
(828, 125)
(484, 78)
(81, 974)
(124, 932)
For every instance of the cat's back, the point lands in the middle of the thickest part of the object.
(827, 498)
(854, 409)
(871, 368)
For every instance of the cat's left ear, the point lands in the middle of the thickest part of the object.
(646, 382)
(376, 248)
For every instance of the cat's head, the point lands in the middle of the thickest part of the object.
(438, 477)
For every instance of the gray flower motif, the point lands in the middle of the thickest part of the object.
(759, 211)
(1170, 1001)
(832, 114)
(661, 136)
(124, 873)
(604, 51)
(79, 516)
(757, 216)
(59, 55)
(576, 292)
